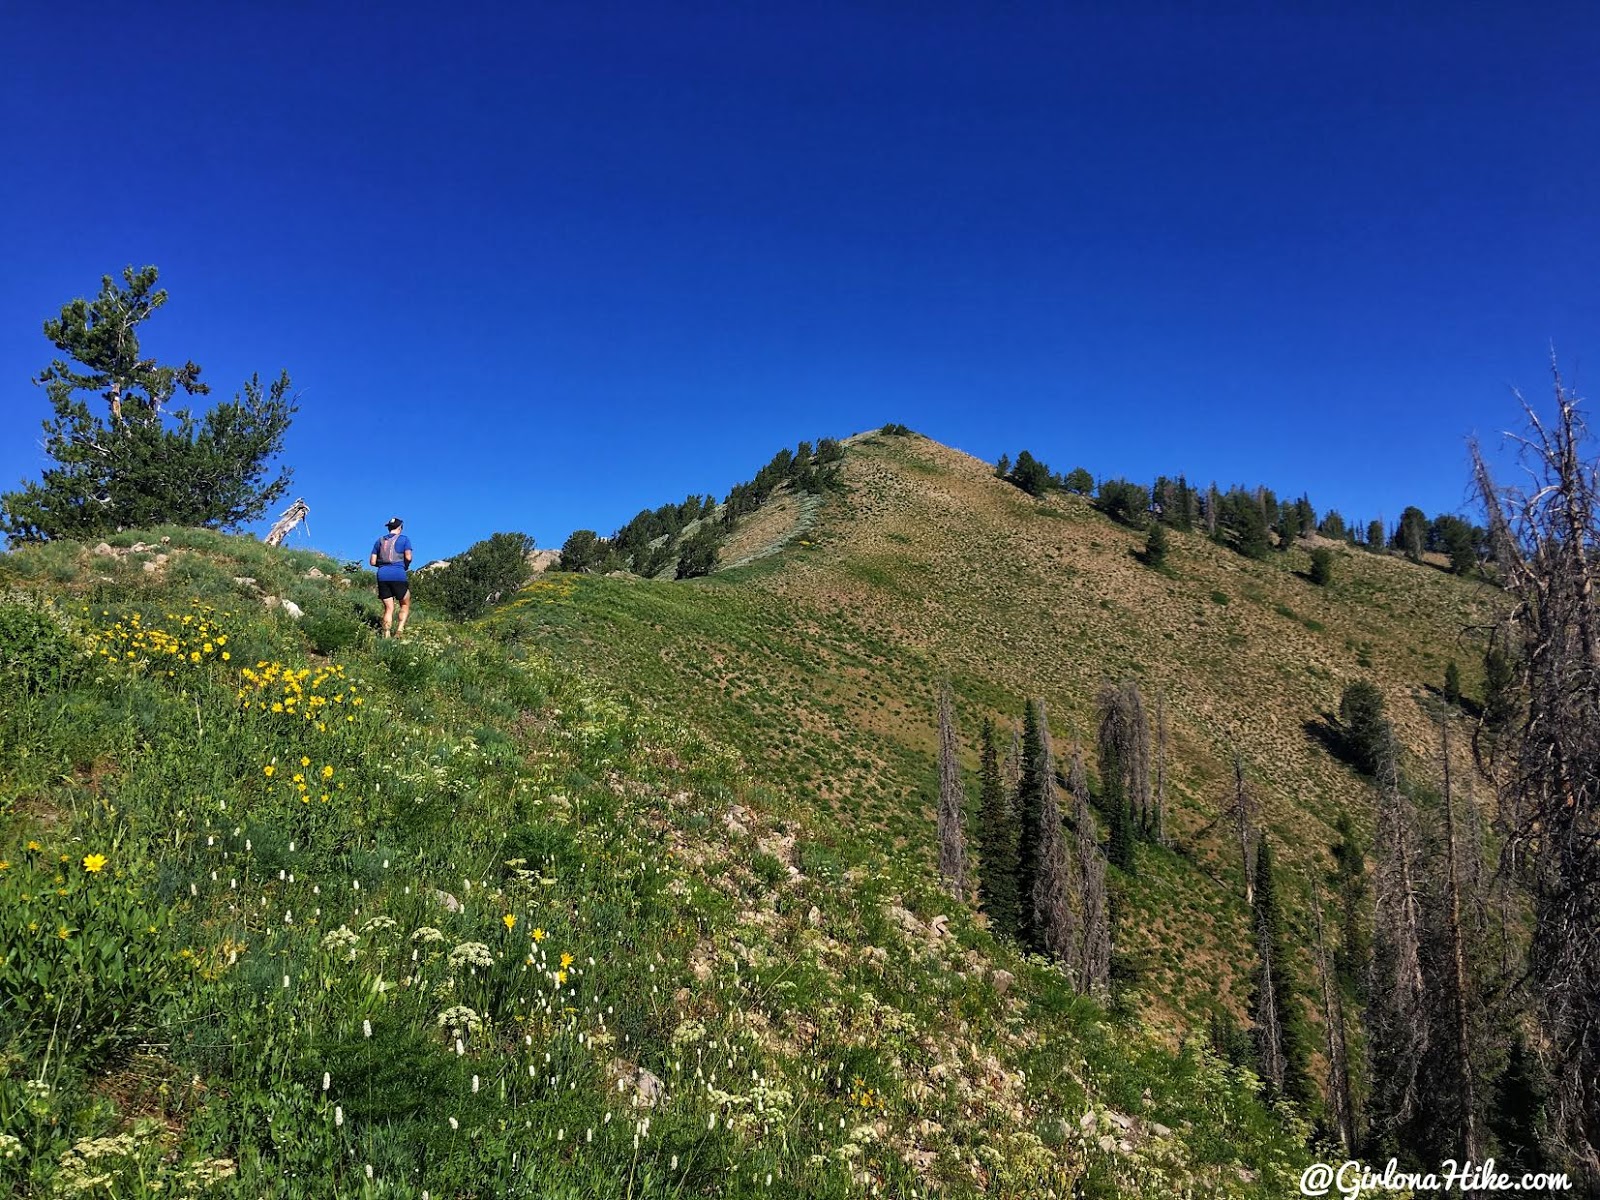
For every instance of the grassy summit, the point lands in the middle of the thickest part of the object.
(822, 663)
(627, 889)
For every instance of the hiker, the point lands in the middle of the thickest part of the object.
(391, 554)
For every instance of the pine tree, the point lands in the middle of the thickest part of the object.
(148, 464)
(1375, 538)
(1452, 683)
(997, 843)
(952, 803)
(1322, 566)
(1155, 545)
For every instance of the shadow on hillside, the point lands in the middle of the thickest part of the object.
(1329, 731)
(1468, 706)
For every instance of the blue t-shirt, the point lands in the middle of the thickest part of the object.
(396, 571)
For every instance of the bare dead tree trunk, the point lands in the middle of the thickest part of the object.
(1243, 813)
(291, 517)
(1544, 539)
(1471, 1141)
(1339, 1092)
(1397, 1018)
(1124, 749)
(952, 803)
(1159, 827)
(1053, 918)
(1268, 1008)
(1011, 768)
(1094, 956)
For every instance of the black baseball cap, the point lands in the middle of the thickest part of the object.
(394, 523)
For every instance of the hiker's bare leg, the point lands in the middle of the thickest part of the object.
(388, 614)
(405, 611)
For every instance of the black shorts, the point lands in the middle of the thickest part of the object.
(392, 589)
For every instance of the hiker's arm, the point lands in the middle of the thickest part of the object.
(372, 560)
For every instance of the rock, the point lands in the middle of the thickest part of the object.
(1087, 1120)
(1121, 1120)
(814, 917)
(940, 927)
(648, 1089)
(731, 820)
(150, 568)
(137, 548)
(1002, 982)
(1160, 1130)
(166, 541)
(104, 550)
(293, 609)
(451, 904)
(162, 558)
(540, 561)
(315, 573)
(244, 581)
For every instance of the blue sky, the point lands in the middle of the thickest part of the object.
(537, 267)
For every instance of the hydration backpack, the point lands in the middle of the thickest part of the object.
(387, 554)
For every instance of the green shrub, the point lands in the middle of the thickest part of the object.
(35, 651)
(329, 632)
(483, 575)
(544, 848)
(1322, 566)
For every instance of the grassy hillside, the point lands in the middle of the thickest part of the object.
(623, 891)
(821, 663)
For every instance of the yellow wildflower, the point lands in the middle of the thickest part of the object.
(269, 770)
(95, 863)
(538, 935)
(511, 920)
(566, 961)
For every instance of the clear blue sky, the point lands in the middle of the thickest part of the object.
(539, 266)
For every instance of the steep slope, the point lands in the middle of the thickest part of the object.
(288, 911)
(822, 663)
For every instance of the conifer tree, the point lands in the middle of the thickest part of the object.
(1452, 683)
(1375, 538)
(952, 803)
(997, 843)
(1155, 545)
(1094, 952)
(1029, 802)
(148, 464)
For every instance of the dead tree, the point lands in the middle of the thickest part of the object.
(952, 803)
(1158, 825)
(1124, 750)
(1094, 948)
(1543, 540)
(1397, 1021)
(1243, 813)
(1471, 1141)
(1054, 923)
(292, 516)
(1341, 1099)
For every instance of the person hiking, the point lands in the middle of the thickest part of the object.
(391, 554)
